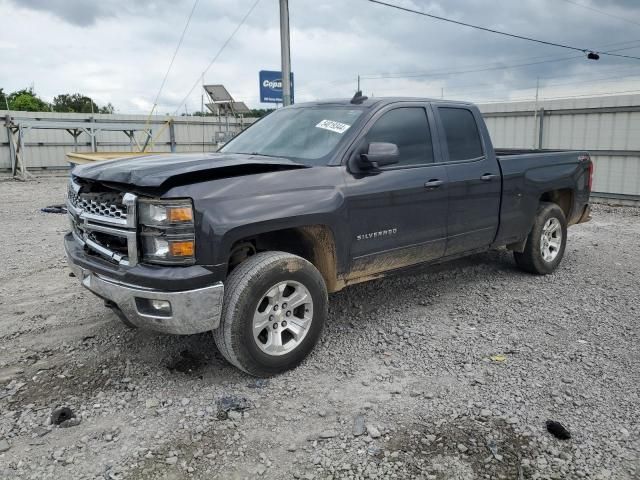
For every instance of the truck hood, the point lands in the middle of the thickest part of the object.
(174, 169)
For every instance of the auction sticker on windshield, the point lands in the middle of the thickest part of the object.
(333, 126)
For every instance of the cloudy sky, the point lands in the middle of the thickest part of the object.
(118, 50)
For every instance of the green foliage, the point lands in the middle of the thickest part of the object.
(26, 100)
(199, 114)
(259, 112)
(108, 108)
(76, 103)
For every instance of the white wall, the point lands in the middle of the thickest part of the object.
(608, 127)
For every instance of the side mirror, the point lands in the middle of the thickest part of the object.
(380, 154)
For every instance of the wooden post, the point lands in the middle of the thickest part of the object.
(12, 149)
(172, 136)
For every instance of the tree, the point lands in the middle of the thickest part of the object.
(259, 112)
(74, 103)
(26, 100)
(108, 108)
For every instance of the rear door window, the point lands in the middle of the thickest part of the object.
(463, 137)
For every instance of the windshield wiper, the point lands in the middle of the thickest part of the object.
(263, 155)
(255, 153)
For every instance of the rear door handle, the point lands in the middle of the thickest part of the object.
(487, 177)
(433, 184)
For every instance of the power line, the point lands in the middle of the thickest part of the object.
(531, 99)
(472, 89)
(601, 12)
(546, 58)
(457, 72)
(443, 73)
(213, 60)
(217, 55)
(618, 55)
(580, 76)
(474, 68)
(166, 75)
(175, 53)
(594, 81)
(490, 68)
(485, 88)
(498, 32)
(592, 95)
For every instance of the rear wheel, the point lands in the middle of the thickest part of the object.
(275, 306)
(546, 242)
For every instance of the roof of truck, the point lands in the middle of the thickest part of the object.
(373, 101)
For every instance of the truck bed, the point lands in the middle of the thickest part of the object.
(527, 175)
(504, 152)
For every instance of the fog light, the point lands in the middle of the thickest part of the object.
(158, 308)
(160, 305)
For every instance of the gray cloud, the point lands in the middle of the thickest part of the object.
(85, 13)
(76, 12)
(125, 47)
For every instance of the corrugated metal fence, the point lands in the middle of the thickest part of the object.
(607, 127)
(46, 147)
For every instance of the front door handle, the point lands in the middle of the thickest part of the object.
(433, 184)
(487, 177)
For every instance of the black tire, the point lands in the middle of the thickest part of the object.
(531, 259)
(245, 287)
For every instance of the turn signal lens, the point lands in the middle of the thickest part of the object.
(180, 214)
(181, 249)
(165, 213)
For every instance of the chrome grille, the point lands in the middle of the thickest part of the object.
(106, 204)
(104, 223)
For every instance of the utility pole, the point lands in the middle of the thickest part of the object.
(535, 117)
(358, 83)
(285, 53)
(202, 110)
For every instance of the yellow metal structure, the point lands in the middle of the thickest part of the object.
(77, 158)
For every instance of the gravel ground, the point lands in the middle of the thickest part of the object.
(446, 374)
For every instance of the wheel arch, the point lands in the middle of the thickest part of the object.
(563, 197)
(315, 243)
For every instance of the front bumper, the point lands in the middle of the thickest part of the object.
(192, 311)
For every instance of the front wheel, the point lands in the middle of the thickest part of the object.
(275, 306)
(546, 242)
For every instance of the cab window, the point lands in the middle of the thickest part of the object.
(463, 138)
(408, 128)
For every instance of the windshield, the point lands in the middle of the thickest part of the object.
(306, 135)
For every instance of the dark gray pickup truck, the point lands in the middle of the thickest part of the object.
(247, 242)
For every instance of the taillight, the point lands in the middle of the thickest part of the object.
(587, 158)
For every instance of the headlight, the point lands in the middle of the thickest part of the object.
(160, 213)
(167, 231)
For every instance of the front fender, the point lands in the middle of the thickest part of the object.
(230, 209)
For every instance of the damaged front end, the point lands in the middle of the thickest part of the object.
(113, 244)
(104, 221)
